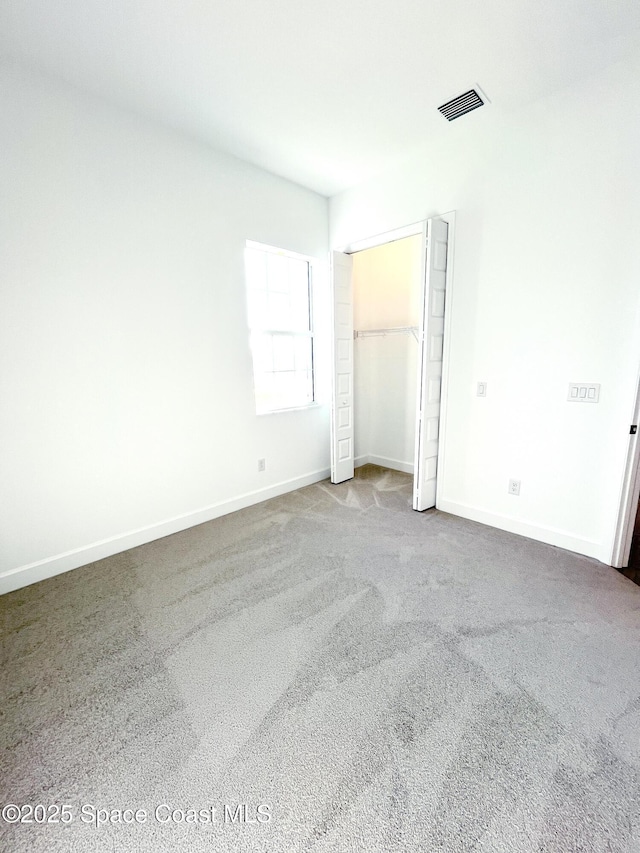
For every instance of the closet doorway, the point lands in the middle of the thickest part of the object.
(386, 312)
(389, 354)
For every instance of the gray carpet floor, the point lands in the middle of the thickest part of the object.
(325, 671)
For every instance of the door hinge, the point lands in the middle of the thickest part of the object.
(633, 429)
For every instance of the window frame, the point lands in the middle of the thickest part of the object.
(272, 333)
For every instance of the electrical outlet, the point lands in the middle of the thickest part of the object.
(262, 464)
(514, 487)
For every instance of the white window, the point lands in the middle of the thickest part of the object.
(279, 303)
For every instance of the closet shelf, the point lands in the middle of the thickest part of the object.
(396, 330)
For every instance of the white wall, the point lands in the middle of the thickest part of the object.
(127, 405)
(386, 288)
(545, 291)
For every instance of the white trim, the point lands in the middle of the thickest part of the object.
(629, 494)
(450, 218)
(33, 572)
(420, 366)
(629, 509)
(393, 330)
(394, 464)
(314, 405)
(383, 239)
(278, 250)
(547, 535)
(383, 462)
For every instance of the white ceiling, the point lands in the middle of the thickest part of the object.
(323, 92)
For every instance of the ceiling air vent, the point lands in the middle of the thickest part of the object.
(457, 107)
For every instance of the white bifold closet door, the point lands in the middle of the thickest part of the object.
(431, 337)
(342, 416)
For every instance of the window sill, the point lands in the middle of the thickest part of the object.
(313, 405)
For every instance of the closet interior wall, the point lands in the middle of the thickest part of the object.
(386, 288)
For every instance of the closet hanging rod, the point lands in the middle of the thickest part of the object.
(396, 330)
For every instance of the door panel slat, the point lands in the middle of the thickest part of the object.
(342, 455)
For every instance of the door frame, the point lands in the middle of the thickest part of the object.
(630, 494)
(411, 230)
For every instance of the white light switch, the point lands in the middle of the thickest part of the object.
(482, 389)
(584, 392)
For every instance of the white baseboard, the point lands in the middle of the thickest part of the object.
(548, 535)
(31, 573)
(394, 464)
(384, 462)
